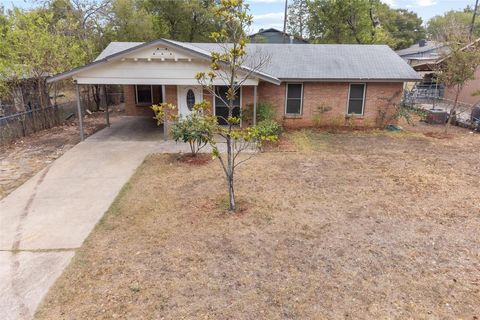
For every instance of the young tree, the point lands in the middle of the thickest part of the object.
(456, 68)
(228, 67)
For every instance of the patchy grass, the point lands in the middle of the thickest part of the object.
(361, 225)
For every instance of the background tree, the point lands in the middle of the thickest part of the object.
(183, 20)
(129, 21)
(38, 47)
(352, 21)
(358, 21)
(404, 26)
(298, 19)
(6, 56)
(228, 67)
(447, 27)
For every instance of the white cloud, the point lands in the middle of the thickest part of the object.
(265, 1)
(267, 20)
(273, 17)
(391, 3)
(426, 3)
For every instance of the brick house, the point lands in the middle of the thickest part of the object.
(307, 84)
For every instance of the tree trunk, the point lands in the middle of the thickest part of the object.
(96, 94)
(453, 110)
(41, 93)
(231, 194)
(230, 172)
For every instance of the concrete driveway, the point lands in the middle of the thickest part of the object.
(45, 220)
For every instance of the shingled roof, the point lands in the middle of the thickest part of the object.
(329, 62)
(301, 62)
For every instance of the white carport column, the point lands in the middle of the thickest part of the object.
(79, 112)
(255, 105)
(165, 120)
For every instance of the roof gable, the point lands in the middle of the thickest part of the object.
(162, 49)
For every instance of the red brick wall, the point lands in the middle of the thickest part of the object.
(134, 109)
(208, 97)
(332, 95)
(171, 95)
(129, 96)
(274, 94)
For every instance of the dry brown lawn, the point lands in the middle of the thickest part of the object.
(349, 225)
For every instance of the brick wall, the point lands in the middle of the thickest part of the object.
(129, 97)
(134, 109)
(208, 97)
(332, 96)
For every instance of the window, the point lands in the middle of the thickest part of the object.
(293, 102)
(221, 109)
(356, 97)
(143, 94)
(190, 99)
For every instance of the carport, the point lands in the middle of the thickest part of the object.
(167, 64)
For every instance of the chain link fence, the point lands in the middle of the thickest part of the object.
(21, 124)
(14, 125)
(466, 115)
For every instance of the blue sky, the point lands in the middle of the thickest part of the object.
(269, 13)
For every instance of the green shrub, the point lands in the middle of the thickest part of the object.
(318, 116)
(196, 129)
(265, 111)
(269, 128)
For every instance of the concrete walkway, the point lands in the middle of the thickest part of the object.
(45, 220)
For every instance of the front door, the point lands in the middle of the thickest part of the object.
(187, 97)
(221, 109)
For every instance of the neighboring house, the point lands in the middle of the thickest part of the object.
(301, 81)
(423, 52)
(425, 59)
(420, 55)
(272, 35)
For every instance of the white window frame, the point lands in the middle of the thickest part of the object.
(214, 102)
(363, 100)
(286, 100)
(151, 95)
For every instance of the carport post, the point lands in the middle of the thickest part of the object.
(79, 112)
(255, 105)
(165, 119)
(165, 130)
(107, 115)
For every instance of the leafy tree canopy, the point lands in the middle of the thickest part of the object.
(354, 21)
(448, 26)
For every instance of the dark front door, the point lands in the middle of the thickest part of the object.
(221, 108)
